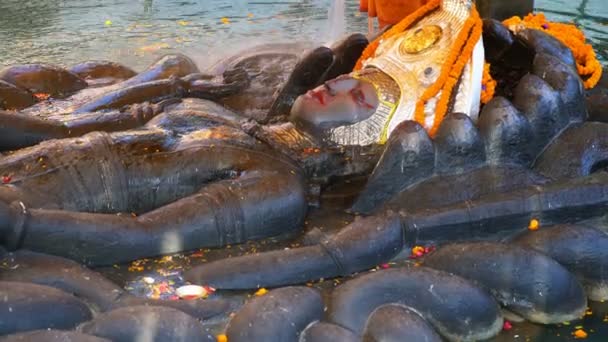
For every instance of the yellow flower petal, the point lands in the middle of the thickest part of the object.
(534, 224)
(261, 292)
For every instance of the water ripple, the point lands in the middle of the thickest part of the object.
(137, 32)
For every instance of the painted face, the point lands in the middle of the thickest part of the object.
(339, 102)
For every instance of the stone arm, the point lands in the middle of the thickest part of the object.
(170, 78)
(255, 205)
(374, 240)
(20, 130)
(196, 85)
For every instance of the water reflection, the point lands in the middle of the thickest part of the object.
(24, 20)
(592, 15)
(137, 32)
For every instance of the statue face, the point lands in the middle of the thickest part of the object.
(339, 102)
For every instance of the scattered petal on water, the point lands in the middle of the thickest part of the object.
(148, 280)
(534, 224)
(136, 268)
(507, 326)
(108, 22)
(420, 251)
(580, 333)
(225, 21)
(198, 254)
(261, 292)
(209, 289)
(154, 47)
(180, 40)
(183, 22)
(166, 259)
(42, 96)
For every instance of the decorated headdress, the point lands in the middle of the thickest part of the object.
(418, 68)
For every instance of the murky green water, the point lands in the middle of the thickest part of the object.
(135, 32)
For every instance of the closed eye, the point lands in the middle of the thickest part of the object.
(330, 91)
(359, 97)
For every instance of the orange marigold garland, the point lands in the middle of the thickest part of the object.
(488, 85)
(403, 25)
(452, 68)
(587, 63)
(451, 71)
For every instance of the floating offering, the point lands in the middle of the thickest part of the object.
(580, 334)
(534, 224)
(174, 160)
(261, 292)
(189, 292)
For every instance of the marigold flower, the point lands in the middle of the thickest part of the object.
(580, 333)
(261, 292)
(588, 66)
(534, 224)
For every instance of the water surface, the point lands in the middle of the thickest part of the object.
(135, 32)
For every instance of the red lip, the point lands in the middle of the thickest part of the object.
(317, 95)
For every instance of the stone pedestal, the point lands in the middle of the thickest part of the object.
(503, 9)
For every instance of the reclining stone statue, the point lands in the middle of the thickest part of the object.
(177, 160)
(449, 172)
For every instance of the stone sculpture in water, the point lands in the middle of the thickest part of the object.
(114, 180)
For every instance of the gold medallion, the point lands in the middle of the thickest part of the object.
(421, 39)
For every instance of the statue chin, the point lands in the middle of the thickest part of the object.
(319, 120)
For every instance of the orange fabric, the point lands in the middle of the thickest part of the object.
(363, 5)
(390, 12)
